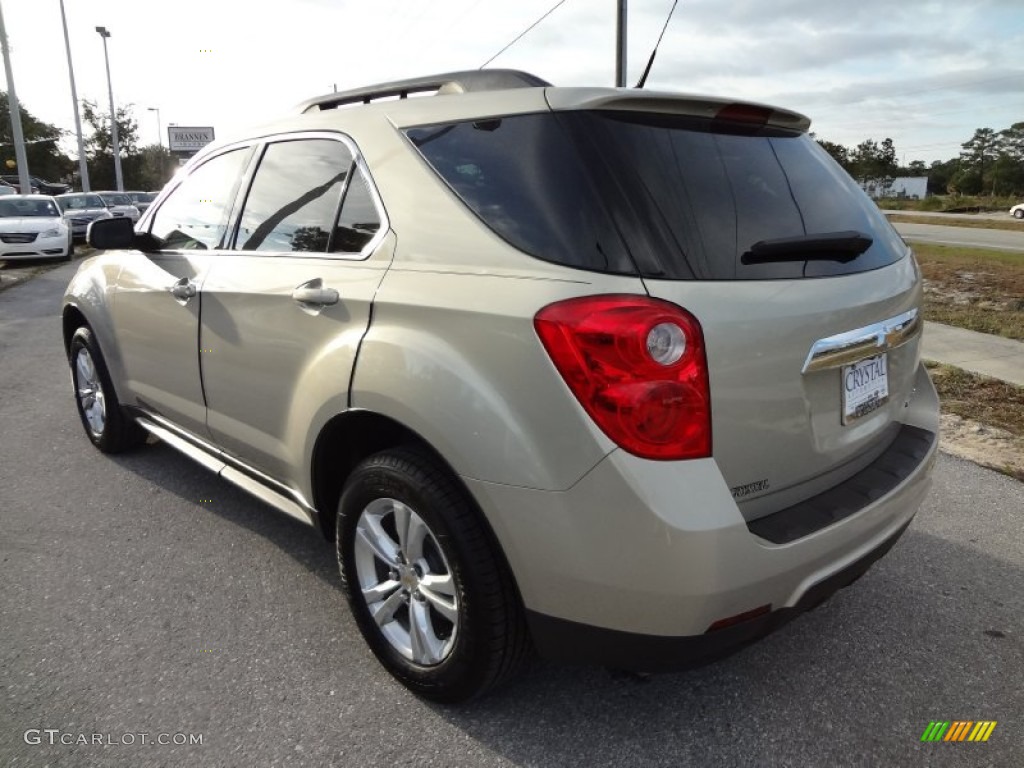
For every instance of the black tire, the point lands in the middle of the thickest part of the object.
(115, 431)
(1018, 214)
(489, 643)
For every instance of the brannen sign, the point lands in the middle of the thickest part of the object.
(188, 139)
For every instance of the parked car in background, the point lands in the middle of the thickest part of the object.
(80, 209)
(120, 204)
(33, 227)
(7, 189)
(39, 186)
(142, 200)
(1017, 211)
(630, 378)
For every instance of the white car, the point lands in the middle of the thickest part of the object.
(120, 205)
(1017, 211)
(33, 227)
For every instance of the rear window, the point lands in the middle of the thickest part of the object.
(663, 196)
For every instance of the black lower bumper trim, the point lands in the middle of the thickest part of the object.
(571, 642)
(898, 462)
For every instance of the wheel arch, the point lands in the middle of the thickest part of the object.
(349, 438)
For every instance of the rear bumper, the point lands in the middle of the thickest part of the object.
(633, 565)
(569, 641)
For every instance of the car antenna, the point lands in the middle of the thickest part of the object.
(650, 61)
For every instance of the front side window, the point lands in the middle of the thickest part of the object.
(195, 215)
(294, 199)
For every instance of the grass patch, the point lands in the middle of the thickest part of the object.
(963, 203)
(973, 288)
(1011, 225)
(979, 398)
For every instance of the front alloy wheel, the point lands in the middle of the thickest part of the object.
(109, 428)
(92, 402)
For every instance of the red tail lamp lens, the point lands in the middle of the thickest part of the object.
(637, 365)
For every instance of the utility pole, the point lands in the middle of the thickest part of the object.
(620, 46)
(83, 167)
(24, 182)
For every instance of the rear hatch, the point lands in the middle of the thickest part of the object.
(806, 295)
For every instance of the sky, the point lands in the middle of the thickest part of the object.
(925, 73)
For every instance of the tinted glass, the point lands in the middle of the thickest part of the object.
(117, 199)
(359, 219)
(195, 215)
(80, 202)
(694, 196)
(687, 197)
(20, 207)
(523, 178)
(294, 197)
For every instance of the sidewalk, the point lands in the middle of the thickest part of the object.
(976, 352)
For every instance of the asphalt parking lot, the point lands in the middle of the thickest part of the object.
(142, 595)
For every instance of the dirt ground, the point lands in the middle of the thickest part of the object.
(991, 447)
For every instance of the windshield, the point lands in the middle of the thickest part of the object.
(80, 202)
(143, 197)
(17, 208)
(117, 199)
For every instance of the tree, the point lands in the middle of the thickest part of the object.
(42, 152)
(940, 173)
(99, 142)
(979, 153)
(150, 168)
(1012, 141)
(874, 164)
(839, 153)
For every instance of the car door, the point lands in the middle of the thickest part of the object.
(284, 312)
(157, 306)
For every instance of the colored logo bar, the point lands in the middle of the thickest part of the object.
(958, 730)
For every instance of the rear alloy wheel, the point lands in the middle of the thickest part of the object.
(429, 591)
(107, 426)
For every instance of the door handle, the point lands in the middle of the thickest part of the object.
(184, 289)
(313, 293)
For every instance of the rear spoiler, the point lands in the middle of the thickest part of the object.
(676, 104)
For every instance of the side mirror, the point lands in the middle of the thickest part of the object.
(111, 234)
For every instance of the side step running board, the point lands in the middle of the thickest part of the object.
(215, 462)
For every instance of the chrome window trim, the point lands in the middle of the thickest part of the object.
(851, 346)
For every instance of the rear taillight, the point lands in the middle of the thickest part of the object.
(637, 366)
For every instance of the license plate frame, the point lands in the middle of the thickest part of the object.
(864, 387)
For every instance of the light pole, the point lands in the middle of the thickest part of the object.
(24, 183)
(159, 129)
(83, 167)
(620, 44)
(113, 115)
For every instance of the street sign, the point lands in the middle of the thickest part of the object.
(182, 138)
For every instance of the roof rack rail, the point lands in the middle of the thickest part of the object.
(450, 82)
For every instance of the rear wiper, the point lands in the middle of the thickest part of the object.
(827, 246)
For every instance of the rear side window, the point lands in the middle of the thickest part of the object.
(359, 220)
(295, 196)
(523, 178)
(681, 198)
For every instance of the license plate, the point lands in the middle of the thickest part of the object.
(865, 387)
